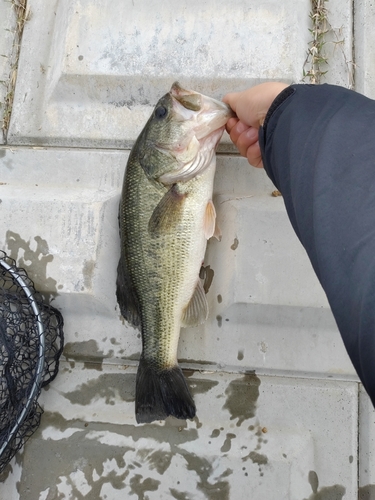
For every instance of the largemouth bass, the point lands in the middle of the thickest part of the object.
(166, 216)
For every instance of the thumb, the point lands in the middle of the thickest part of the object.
(231, 99)
(243, 107)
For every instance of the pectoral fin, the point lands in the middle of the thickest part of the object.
(196, 312)
(210, 226)
(167, 213)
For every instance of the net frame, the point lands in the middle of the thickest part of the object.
(47, 327)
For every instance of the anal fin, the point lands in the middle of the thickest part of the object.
(196, 311)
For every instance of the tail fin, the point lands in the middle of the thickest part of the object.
(159, 394)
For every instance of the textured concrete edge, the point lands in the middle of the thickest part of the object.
(6, 44)
(20, 16)
(364, 45)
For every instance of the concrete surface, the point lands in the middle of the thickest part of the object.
(99, 71)
(280, 413)
(365, 47)
(262, 319)
(252, 437)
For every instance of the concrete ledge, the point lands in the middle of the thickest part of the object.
(252, 436)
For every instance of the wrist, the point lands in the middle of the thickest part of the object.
(270, 90)
(279, 98)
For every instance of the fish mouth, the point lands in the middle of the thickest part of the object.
(209, 114)
(207, 118)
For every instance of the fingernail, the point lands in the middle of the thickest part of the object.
(252, 133)
(241, 127)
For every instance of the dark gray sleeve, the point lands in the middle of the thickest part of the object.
(318, 147)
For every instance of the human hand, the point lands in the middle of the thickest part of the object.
(251, 107)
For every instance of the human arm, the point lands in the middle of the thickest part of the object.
(318, 148)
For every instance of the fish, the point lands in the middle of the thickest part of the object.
(166, 216)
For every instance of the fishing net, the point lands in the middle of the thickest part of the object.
(31, 342)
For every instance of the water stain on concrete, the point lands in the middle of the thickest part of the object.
(335, 492)
(240, 355)
(86, 352)
(108, 464)
(242, 396)
(258, 458)
(92, 458)
(227, 443)
(133, 357)
(314, 481)
(207, 274)
(198, 385)
(64, 457)
(255, 456)
(234, 246)
(215, 433)
(160, 461)
(366, 492)
(34, 262)
(8, 163)
(180, 495)
(6, 472)
(260, 439)
(220, 489)
(108, 386)
(139, 487)
(167, 433)
(88, 273)
(198, 424)
(80, 452)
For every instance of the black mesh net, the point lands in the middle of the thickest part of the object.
(31, 342)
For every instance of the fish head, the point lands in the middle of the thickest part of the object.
(182, 134)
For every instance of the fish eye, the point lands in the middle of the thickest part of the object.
(160, 112)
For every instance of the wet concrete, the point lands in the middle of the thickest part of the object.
(366, 492)
(227, 443)
(207, 275)
(335, 492)
(204, 468)
(85, 449)
(34, 262)
(86, 352)
(109, 386)
(242, 396)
